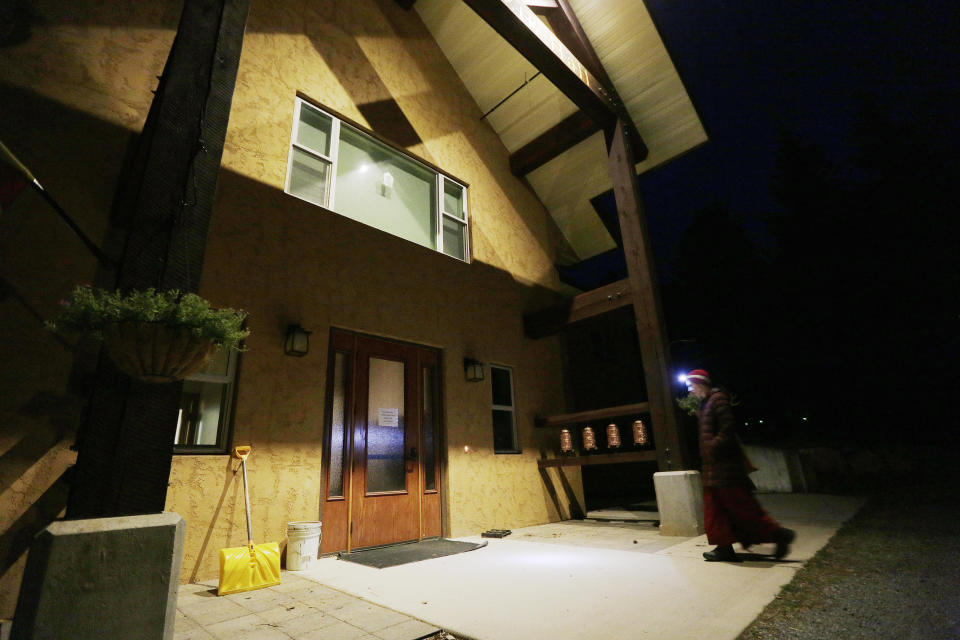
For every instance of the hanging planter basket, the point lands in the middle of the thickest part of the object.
(156, 352)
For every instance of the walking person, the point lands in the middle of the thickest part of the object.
(731, 513)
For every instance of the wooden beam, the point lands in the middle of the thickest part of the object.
(600, 458)
(520, 27)
(125, 445)
(547, 322)
(552, 142)
(568, 419)
(567, 28)
(646, 302)
(539, 5)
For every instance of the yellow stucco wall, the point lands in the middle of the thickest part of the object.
(284, 260)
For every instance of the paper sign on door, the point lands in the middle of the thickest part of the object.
(388, 417)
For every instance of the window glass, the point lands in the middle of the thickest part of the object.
(504, 415)
(453, 238)
(381, 188)
(338, 429)
(205, 406)
(313, 131)
(385, 426)
(503, 434)
(453, 199)
(309, 177)
(500, 381)
(429, 428)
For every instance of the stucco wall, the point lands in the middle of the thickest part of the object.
(284, 260)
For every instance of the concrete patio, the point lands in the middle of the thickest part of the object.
(567, 580)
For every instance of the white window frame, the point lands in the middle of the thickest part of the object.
(228, 380)
(331, 188)
(512, 408)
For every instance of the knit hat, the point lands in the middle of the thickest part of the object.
(699, 376)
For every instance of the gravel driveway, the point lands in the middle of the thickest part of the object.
(892, 572)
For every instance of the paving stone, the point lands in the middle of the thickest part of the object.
(183, 623)
(328, 601)
(286, 612)
(212, 610)
(197, 633)
(337, 631)
(369, 617)
(298, 627)
(248, 627)
(408, 630)
(260, 600)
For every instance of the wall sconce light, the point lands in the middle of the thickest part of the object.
(386, 185)
(473, 369)
(297, 342)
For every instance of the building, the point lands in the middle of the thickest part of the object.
(364, 195)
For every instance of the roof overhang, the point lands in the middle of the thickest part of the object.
(551, 104)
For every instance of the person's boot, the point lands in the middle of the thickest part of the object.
(783, 537)
(723, 553)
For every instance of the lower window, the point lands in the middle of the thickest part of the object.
(504, 416)
(205, 406)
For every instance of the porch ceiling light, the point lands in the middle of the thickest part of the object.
(473, 369)
(297, 342)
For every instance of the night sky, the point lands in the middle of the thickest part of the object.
(829, 182)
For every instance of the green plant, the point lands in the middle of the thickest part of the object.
(89, 310)
(690, 404)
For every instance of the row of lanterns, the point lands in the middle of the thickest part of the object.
(640, 437)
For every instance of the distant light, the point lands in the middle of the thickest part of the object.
(747, 423)
(760, 421)
(804, 419)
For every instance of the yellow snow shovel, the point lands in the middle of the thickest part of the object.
(251, 567)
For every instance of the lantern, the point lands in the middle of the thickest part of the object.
(566, 441)
(589, 439)
(640, 434)
(613, 436)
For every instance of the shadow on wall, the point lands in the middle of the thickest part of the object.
(230, 473)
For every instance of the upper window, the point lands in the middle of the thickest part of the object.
(205, 406)
(338, 166)
(504, 418)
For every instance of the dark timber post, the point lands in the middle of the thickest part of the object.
(671, 453)
(125, 448)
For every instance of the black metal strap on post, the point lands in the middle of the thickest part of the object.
(87, 242)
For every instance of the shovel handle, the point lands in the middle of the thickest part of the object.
(241, 453)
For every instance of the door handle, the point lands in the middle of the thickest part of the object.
(412, 456)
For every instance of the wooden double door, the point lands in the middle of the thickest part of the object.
(381, 462)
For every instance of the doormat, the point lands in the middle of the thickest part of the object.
(407, 552)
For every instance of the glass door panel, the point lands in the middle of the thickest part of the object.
(385, 427)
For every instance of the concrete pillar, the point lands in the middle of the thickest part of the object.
(102, 578)
(680, 502)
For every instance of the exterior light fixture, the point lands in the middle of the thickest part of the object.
(473, 370)
(297, 342)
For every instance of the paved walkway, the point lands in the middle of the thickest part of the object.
(298, 608)
(563, 581)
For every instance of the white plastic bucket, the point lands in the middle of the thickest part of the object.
(303, 545)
